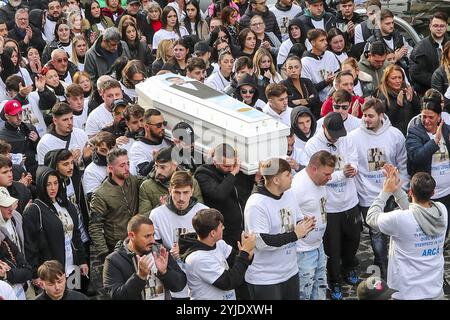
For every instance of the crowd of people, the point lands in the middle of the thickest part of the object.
(96, 200)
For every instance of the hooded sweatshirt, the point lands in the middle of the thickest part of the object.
(300, 137)
(341, 191)
(318, 68)
(273, 220)
(375, 148)
(416, 261)
(288, 41)
(212, 272)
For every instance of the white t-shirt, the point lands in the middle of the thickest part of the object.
(284, 17)
(203, 268)
(50, 142)
(6, 291)
(311, 200)
(267, 215)
(284, 117)
(416, 260)
(67, 224)
(99, 118)
(49, 30)
(162, 34)
(80, 120)
(168, 228)
(142, 152)
(217, 81)
(93, 177)
(440, 170)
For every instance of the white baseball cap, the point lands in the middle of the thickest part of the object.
(5, 199)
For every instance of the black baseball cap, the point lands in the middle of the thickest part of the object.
(335, 125)
(119, 102)
(202, 47)
(183, 131)
(164, 155)
(132, 1)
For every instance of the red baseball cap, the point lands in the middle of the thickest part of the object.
(12, 107)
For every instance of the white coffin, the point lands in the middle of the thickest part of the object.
(216, 118)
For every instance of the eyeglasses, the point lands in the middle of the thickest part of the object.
(340, 106)
(257, 24)
(158, 125)
(251, 91)
(60, 60)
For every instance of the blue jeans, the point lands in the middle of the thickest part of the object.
(312, 266)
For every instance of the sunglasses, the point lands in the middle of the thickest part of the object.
(60, 60)
(158, 125)
(251, 91)
(340, 106)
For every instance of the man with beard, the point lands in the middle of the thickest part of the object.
(52, 15)
(133, 116)
(62, 134)
(174, 219)
(426, 55)
(95, 172)
(153, 191)
(285, 11)
(139, 269)
(113, 204)
(141, 153)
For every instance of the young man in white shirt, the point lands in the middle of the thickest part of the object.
(417, 230)
(213, 268)
(174, 218)
(141, 153)
(342, 235)
(310, 193)
(272, 214)
(75, 99)
(377, 142)
(62, 135)
(277, 105)
(134, 120)
(102, 116)
(319, 64)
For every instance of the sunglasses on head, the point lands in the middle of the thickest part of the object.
(340, 106)
(251, 91)
(158, 125)
(60, 60)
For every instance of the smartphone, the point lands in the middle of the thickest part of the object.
(155, 249)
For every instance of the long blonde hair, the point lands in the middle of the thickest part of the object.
(162, 48)
(75, 40)
(259, 55)
(383, 83)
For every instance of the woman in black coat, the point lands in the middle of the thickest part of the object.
(50, 227)
(301, 90)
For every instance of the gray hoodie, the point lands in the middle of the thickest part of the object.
(431, 220)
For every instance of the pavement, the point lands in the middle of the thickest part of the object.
(365, 256)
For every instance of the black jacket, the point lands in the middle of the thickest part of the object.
(8, 12)
(121, 281)
(269, 20)
(400, 116)
(439, 81)
(310, 92)
(238, 262)
(68, 295)
(228, 194)
(424, 60)
(340, 20)
(43, 230)
(329, 21)
(35, 41)
(19, 191)
(20, 143)
(420, 148)
(295, 114)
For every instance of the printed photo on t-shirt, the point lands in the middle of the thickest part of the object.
(442, 154)
(339, 163)
(287, 221)
(323, 211)
(325, 74)
(284, 23)
(28, 116)
(376, 158)
(154, 289)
